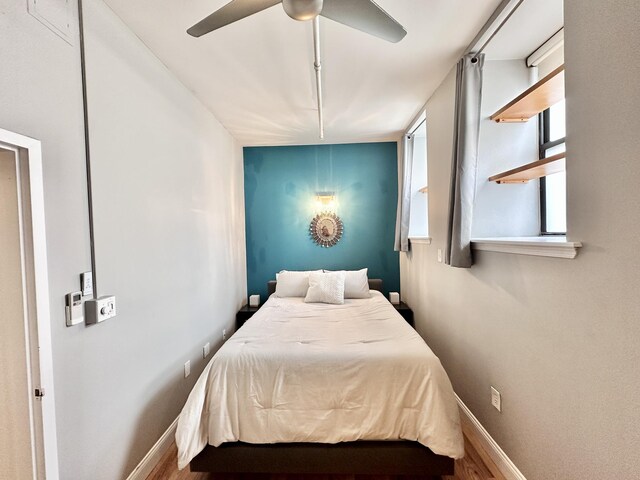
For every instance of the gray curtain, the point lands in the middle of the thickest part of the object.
(464, 163)
(405, 165)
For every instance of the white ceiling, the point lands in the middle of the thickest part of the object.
(257, 76)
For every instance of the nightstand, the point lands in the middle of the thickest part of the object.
(404, 310)
(244, 314)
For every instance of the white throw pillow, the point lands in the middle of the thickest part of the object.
(356, 283)
(326, 288)
(292, 284)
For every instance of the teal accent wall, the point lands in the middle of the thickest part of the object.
(280, 184)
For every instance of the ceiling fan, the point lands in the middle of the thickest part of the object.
(363, 15)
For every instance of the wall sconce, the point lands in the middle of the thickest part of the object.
(325, 201)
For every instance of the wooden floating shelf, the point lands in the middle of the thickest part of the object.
(533, 170)
(539, 97)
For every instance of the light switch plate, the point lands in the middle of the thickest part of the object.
(86, 283)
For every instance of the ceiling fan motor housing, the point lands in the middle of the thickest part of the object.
(302, 9)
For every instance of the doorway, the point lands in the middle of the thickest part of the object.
(27, 417)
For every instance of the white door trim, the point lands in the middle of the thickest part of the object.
(33, 151)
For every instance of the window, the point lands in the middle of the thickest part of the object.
(418, 226)
(553, 188)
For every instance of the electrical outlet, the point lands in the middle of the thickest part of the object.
(99, 309)
(205, 350)
(187, 368)
(439, 255)
(224, 334)
(496, 399)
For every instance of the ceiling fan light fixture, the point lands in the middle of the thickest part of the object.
(302, 9)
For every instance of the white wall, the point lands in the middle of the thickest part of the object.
(505, 210)
(169, 220)
(558, 338)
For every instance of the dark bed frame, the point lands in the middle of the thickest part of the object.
(362, 458)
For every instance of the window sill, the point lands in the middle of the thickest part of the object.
(557, 247)
(420, 240)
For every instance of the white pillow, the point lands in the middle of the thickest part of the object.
(292, 284)
(356, 283)
(295, 271)
(326, 288)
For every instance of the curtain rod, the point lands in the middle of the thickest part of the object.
(417, 126)
(503, 7)
(495, 32)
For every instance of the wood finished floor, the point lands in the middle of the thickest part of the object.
(476, 465)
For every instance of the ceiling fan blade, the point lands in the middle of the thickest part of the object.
(231, 12)
(366, 16)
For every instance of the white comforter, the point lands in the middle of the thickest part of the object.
(299, 372)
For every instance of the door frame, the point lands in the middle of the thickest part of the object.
(28, 150)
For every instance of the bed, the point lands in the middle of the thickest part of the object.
(322, 389)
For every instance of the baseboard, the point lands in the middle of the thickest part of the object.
(151, 459)
(503, 463)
